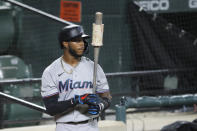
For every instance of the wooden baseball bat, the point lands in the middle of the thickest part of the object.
(96, 43)
(97, 38)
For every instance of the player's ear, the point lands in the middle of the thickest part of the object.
(65, 44)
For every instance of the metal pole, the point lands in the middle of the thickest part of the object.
(23, 102)
(116, 74)
(20, 81)
(39, 12)
(147, 72)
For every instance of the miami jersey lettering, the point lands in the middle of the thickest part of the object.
(69, 85)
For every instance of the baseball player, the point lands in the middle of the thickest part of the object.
(67, 85)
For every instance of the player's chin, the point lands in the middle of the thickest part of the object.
(80, 52)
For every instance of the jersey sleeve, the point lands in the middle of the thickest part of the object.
(101, 83)
(48, 87)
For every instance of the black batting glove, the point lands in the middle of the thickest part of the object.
(95, 103)
(94, 109)
(93, 99)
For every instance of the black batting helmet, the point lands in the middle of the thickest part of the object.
(68, 33)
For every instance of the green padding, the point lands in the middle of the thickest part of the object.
(6, 29)
(146, 102)
(12, 67)
(17, 112)
(161, 101)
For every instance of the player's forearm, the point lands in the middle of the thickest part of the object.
(54, 107)
(106, 102)
(105, 99)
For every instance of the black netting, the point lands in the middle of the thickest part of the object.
(164, 41)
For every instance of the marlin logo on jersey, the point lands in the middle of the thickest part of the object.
(69, 85)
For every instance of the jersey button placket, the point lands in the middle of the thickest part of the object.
(74, 74)
(74, 92)
(75, 80)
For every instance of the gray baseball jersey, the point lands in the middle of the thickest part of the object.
(67, 81)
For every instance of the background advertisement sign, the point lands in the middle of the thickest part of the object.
(70, 10)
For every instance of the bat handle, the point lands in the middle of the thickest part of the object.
(96, 57)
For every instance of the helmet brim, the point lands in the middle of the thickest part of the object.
(85, 36)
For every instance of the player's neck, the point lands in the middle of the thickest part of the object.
(71, 60)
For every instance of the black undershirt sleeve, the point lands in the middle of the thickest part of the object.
(53, 107)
